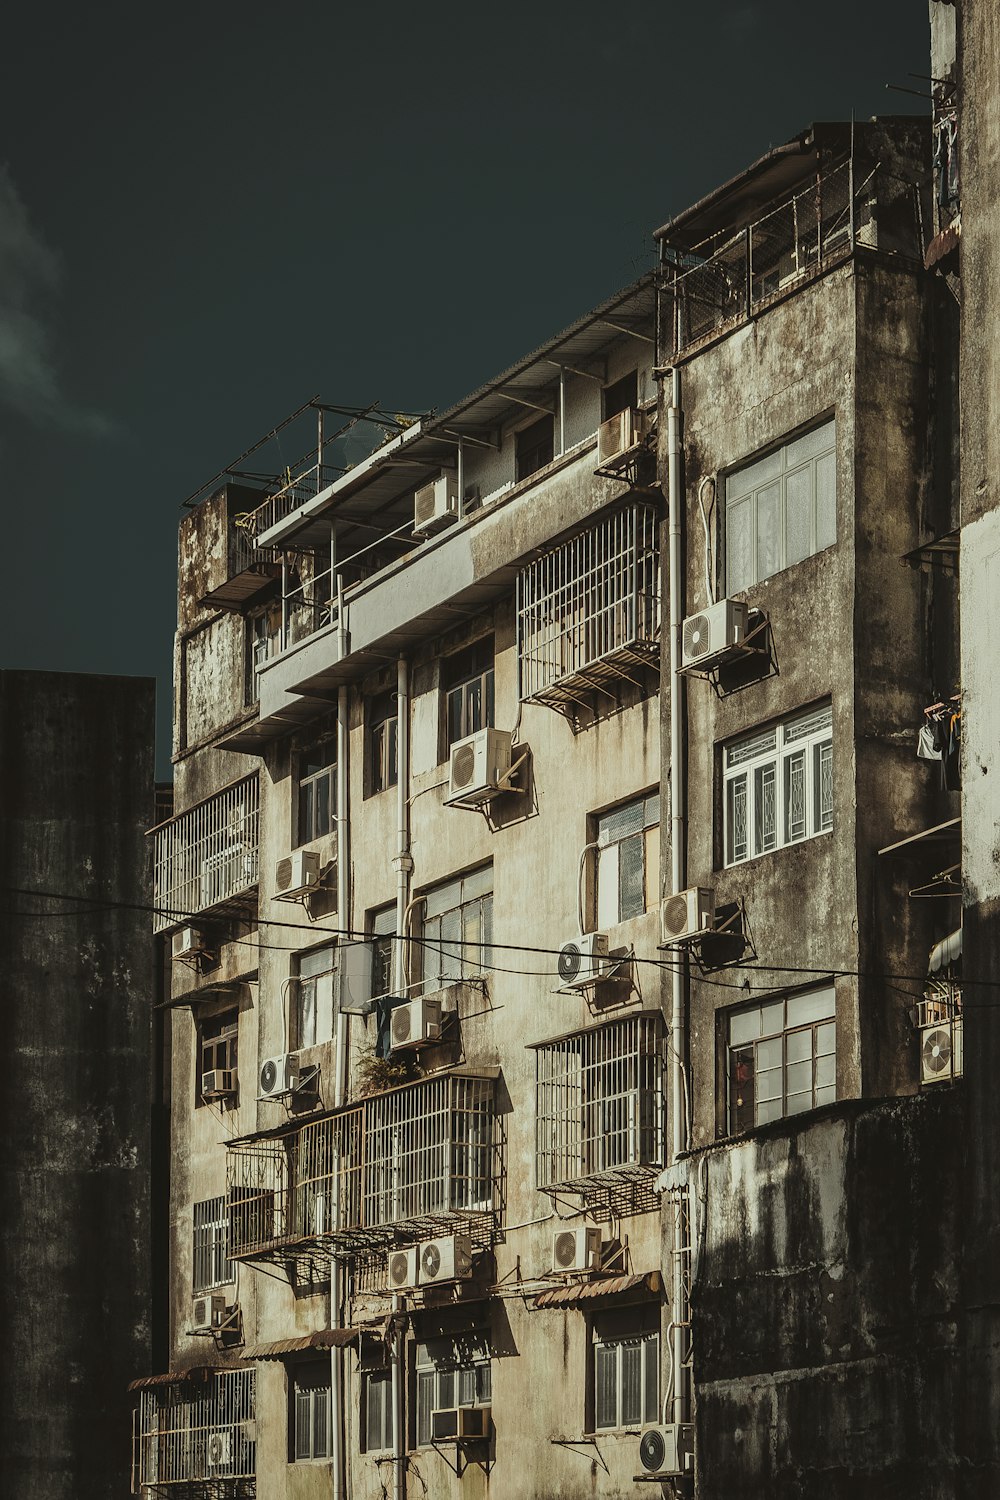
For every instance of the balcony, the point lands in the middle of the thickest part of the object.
(404, 1165)
(600, 1113)
(196, 1438)
(205, 859)
(588, 615)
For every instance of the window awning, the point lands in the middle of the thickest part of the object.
(579, 1292)
(189, 1373)
(945, 952)
(322, 1338)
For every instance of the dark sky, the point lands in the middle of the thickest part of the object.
(210, 213)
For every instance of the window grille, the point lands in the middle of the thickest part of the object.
(778, 785)
(311, 1412)
(207, 1434)
(211, 1262)
(206, 856)
(589, 609)
(450, 1373)
(599, 1105)
(377, 1385)
(626, 1378)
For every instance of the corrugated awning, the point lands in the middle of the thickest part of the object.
(593, 1291)
(322, 1338)
(174, 1377)
(945, 952)
(941, 245)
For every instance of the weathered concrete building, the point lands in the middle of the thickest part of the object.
(76, 768)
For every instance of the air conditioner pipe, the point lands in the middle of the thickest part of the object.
(337, 1444)
(680, 1378)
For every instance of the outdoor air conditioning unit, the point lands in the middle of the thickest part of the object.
(687, 915)
(219, 1449)
(279, 1075)
(416, 1024)
(667, 1449)
(219, 1083)
(478, 765)
(619, 435)
(583, 961)
(710, 635)
(296, 875)
(435, 505)
(187, 942)
(401, 1269)
(941, 1051)
(462, 1424)
(447, 1259)
(576, 1249)
(208, 1312)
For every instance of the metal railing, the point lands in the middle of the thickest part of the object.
(208, 855)
(191, 1436)
(590, 607)
(599, 1104)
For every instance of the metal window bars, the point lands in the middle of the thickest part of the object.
(588, 612)
(206, 857)
(198, 1442)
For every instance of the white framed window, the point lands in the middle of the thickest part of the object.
(311, 1412)
(450, 1373)
(382, 926)
(377, 1387)
(317, 792)
(782, 1057)
(312, 996)
(626, 1368)
(628, 860)
(781, 508)
(778, 785)
(210, 1245)
(457, 928)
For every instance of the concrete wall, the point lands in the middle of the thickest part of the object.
(76, 768)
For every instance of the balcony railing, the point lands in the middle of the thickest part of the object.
(198, 1441)
(599, 1106)
(206, 857)
(588, 612)
(405, 1164)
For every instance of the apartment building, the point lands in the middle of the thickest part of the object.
(540, 895)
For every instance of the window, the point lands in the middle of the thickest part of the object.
(312, 997)
(626, 1390)
(311, 1411)
(628, 860)
(317, 809)
(383, 932)
(468, 684)
(781, 508)
(263, 639)
(782, 1058)
(623, 395)
(210, 1260)
(457, 928)
(450, 1373)
(778, 785)
(217, 1044)
(382, 743)
(533, 447)
(377, 1398)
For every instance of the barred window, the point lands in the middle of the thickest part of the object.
(377, 1396)
(628, 860)
(457, 928)
(782, 1058)
(626, 1368)
(781, 508)
(311, 1412)
(382, 925)
(450, 1373)
(778, 785)
(210, 1251)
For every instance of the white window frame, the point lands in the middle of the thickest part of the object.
(794, 1042)
(445, 1377)
(311, 1400)
(614, 1346)
(635, 823)
(376, 1387)
(459, 913)
(313, 987)
(774, 479)
(777, 785)
(210, 1244)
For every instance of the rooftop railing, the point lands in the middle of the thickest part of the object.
(207, 857)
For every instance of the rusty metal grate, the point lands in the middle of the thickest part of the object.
(207, 856)
(198, 1441)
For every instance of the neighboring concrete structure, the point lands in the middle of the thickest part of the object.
(76, 768)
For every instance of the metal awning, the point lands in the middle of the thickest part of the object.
(941, 553)
(321, 1338)
(941, 833)
(578, 1292)
(189, 1373)
(945, 952)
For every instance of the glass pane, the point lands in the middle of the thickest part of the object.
(750, 746)
(621, 822)
(819, 440)
(826, 1072)
(769, 1054)
(764, 809)
(455, 721)
(826, 1039)
(302, 1424)
(739, 547)
(651, 1394)
(744, 1026)
(476, 883)
(321, 1412)
(631, 1359)
(795, 797)
(772, 1018)
(799, 1076)
(318, 960)
(826, 501)
(466, 1387)
(488, 721)
(323, 820)
(446, 1388)
(798, 515)
(768, 531)
(796, 1103)
(605, 1383)
(305, 813)
(812, 722)
(631, 894)
(814, 1005)
(736, 820)
(442, 898)
(426, 1380)
(607, 886)
(823, 783)
(768, 1110)
(826, 1095)
(754, 475)
(474, 706)
(741, 1089)
(798, 1045)
(305, 1031)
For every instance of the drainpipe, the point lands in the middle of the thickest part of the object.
(404, 859)
(338, 1466)
(678, 879)
(396, 1394)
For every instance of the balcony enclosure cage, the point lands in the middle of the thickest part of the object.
(197, 1441)
(205, 859)
(588, 615)
(600, 1112)
(408, 1164)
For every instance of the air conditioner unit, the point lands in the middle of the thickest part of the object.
(447, 1259)
(187, 942)
(208, 1312)
(583, 961)
(401, 1269)
(279, 1075)
(219, 1083)
(477, 766)
(688, 914)
(416, 1024)
(576, 1249)
(712, 634)
(619, 435)
(462, 1424)
(941, 1051)
(435, 505)
(219, 1449)
(296, 875)
(667, 1449)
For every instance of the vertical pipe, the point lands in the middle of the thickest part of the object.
(461, 479)
(398, 1416)
(403, 860)
(337, 1444)
(562, 410)
(319, 450)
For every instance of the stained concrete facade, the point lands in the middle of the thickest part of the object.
(76, 767)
